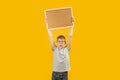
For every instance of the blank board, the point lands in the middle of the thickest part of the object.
(57, 18)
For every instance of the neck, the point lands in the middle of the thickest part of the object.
(60, 47)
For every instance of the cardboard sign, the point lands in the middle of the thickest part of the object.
(57, 18)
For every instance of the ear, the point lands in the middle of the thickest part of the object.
(57, 41)
(65, 40)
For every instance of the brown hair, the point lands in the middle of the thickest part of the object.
(61, 37)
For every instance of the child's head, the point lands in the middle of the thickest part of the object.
(61, 41)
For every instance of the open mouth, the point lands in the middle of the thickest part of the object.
(60, 45)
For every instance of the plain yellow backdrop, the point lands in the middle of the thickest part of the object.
(25, 52)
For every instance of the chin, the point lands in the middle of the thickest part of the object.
(61, 46)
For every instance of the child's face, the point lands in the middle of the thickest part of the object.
(61, 43)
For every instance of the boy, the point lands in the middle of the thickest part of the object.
(61, 64)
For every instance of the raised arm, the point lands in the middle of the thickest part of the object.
(51, 38)
(70, 34)
(70, 37)
(50, 35)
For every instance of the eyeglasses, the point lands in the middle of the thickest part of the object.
(61, 41)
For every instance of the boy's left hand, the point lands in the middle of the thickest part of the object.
(72, 19)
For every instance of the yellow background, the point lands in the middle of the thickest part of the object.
(25, 52)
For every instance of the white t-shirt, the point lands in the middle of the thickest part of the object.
(61, 61)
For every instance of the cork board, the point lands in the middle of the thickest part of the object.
(57, 18)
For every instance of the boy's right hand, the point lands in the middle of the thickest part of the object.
(45, 20)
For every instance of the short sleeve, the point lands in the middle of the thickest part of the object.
(68, 47)
(53, 48)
